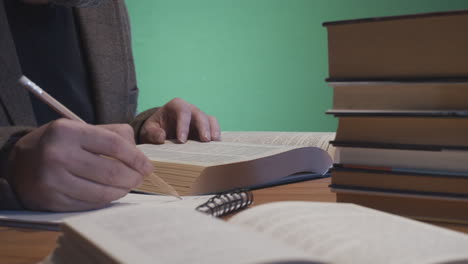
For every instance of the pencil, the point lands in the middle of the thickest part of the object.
(65, 112)
(49, 100)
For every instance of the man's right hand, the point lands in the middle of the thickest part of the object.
(69, 166)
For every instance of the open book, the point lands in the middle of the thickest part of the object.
(214, 205)
(284, 232)
(241, 159)
(53, 220)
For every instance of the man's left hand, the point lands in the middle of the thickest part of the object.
(179, 120)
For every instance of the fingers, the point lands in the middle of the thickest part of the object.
(74, 166)
(88, 191)
(214, 128)
(105, 171)
(184, 117)
(103, 142)
(152, 132)
(181, 120)
(201, 123)
(206, 126)
(63, 194)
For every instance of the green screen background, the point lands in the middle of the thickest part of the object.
(254, 64)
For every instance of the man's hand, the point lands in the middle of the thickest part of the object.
(179, 120)
(69, 166)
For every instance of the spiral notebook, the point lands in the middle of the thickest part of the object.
(226, 203)
(215, 205)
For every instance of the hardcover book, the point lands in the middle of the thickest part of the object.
(197, 168)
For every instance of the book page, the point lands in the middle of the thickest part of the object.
(209, 153)
(347, 233)
(145, 234)
(52, 220)
(303, 139)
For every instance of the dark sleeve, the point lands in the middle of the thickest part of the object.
(8, 137)
(139, 120)
(8, 200)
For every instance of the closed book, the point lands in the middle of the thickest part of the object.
(421, 45)
(422, 207)
(441, 160)
(399, 180)
(411, 130)
(400, 95)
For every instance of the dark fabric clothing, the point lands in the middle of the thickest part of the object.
(49, 52)
(104, 32)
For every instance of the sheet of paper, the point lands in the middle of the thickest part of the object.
(36, 219)
(347, 233)
(143, 234)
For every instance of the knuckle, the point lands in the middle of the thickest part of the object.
(179, 104)
(126, 128)
(213, 119)
(126, 131)
(177, 100)
(53, 155)
(196, 116)
(59, 129)
(59, 125)
(198, 113)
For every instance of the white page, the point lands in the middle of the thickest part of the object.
(164, 234)
(209, 153)
(304, 139)
(346, 233)
(21, 218)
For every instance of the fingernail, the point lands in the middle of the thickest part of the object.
(207, 136)
(149, 168)
(161, 138)
(183, 137)
(217, 136)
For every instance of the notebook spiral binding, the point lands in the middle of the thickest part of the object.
(225, 203)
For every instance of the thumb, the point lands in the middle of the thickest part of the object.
(152, 133)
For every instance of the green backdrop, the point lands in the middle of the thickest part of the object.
(254, 64)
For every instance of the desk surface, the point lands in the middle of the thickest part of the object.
(30, 246)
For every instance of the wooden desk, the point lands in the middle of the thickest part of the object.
(30, 246)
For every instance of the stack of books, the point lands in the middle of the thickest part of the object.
(401, 97)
